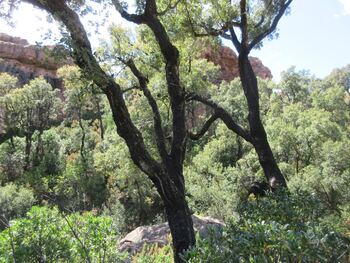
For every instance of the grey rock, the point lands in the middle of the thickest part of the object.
(159, 234)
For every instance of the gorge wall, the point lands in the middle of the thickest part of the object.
(227, 59)
(27, 62)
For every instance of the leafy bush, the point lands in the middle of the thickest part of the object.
(295, 209)
(15, 201)
(281, 228)
(46, 235)
(155, 254)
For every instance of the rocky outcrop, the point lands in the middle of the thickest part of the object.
(227, 59)
(26, 61)
(159, 234)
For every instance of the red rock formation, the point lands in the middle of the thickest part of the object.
(227, 59)
(26, 61)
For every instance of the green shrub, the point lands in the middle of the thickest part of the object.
(46, 235)
(155, 254)
(294, 209)
(15, 201)
(280, 228)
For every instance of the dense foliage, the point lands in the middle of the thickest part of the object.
(310, 136)
(281, 228)
(47, 235)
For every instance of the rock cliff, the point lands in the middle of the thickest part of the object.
(227, 59)
(26, 61)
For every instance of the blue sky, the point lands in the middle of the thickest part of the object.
(315, 36)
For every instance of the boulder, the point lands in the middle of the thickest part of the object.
(159, 234)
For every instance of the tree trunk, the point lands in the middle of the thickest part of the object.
(257, 131)
(268, 163)
(166, 175)
(28, 148)
(181, 228)
(39, 150)
(82, 141)
(100, 119)
(170, 186)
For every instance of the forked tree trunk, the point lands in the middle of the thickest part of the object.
(166, 174)
(259, 138)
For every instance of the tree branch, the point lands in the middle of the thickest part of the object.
(175, 90)
(273, 26)
(151, 7)
(160, 139)
(211, 31)
(235, 40)
(131, 88)
(223, 115)
(10, 134)
(137, 19)
(204, 129)
(244, 24)
(85, 59)
(169, 6)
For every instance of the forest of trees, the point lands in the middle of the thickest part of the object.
(120, 147)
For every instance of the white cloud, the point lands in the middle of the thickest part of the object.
(346, 6)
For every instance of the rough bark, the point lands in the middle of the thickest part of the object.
(251, 92)
(178, 214)
(172, 186)
(257, 131)
(181, 228)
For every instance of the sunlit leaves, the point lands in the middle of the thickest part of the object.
(48, 233)
(32, 107)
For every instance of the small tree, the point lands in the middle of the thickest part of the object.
(246, 24)
(30, 109)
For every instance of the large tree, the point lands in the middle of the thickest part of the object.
(165, 168)
(167, 172)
